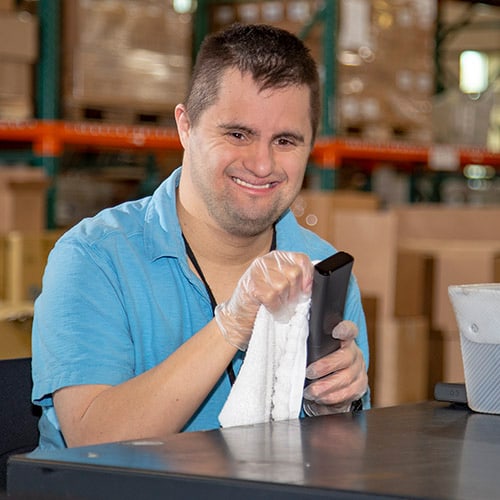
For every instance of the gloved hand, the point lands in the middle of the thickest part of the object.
(278, 280)
(338, 379)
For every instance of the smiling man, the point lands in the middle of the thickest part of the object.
(148, 307)
(245, 155)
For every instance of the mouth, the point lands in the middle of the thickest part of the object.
(246, 184)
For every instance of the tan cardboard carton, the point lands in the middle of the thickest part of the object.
(315, 209)
(433, 221)
(15, 338)
(18, 37)
(413, 353)
(402, 346)
(413, 288)
(7, 5)
(25, 258)
(372, 239)
(455, 262)
(22, 199)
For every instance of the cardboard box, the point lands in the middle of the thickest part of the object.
(454, 245)
(412, 360)
(7, 5)
(453, 366)
(314, 209)
(22, 199)
(15, 339)
(24, 260)
(385, 69)
(18, 51)
(19, 108)
(372, 239)
(431, 221)
(16, 80)
(370, 309)
(455, 262)
(413, 294)
(18, 37)
(125, 54)
(402, 363)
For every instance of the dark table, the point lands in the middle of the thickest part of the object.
(427, 450)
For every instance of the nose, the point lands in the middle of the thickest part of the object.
(260, 159)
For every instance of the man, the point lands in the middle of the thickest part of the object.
(147, 308)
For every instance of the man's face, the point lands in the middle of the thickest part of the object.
(245, 158)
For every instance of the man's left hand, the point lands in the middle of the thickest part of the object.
(338, 379)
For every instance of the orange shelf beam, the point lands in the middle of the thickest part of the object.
(330, 153)
(50, 137)
(125, 136)
(19, 131)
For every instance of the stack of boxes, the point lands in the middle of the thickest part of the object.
(23, 257)
(22, 188)
(405, 259)
(385, 60)
(125, 61)
(461, 245)
(18, 54)
(24, 247)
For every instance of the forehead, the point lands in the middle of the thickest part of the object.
(233, 80)
(239, 95)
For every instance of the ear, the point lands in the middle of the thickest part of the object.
(183, 124)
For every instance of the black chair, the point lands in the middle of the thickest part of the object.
(18, 416)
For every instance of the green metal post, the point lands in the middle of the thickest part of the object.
(329, 176)
(201, 24)
(329, 63)
(48, 73)
(48, 88)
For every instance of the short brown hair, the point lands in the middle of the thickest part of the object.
(274, 57)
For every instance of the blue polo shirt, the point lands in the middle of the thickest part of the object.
(118, 297)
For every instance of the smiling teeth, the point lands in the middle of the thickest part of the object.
(253, 186)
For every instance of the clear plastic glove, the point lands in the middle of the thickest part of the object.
(338, 379)
(278, 280)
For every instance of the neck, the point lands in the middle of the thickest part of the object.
(223, 257)
(210, 242)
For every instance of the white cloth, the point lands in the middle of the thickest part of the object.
(270, 383)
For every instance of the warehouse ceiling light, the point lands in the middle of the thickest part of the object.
(473, 72)
(183, 6)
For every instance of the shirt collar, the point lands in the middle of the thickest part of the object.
(162, 231)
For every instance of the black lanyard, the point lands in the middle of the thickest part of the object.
(213, 302)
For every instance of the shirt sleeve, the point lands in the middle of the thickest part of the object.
(80, 331)
(354, 312)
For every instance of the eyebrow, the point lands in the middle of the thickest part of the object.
(244, 128)
(237, 126)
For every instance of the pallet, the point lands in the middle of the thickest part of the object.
(386, 133)
(127, 116)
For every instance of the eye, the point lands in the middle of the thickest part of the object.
(237, 135)
(285, 142)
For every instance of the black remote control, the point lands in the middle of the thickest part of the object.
(331, 280)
